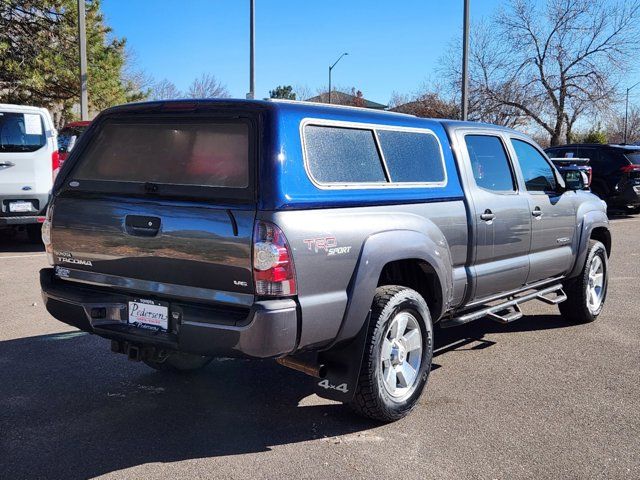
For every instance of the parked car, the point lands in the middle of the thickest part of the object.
(616, 171)
(29, 163)
(68, 136)
(569, 168)
(330, 238)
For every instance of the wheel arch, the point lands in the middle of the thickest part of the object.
(594, 224)
(603, 235)
(406, 251)
(419, 275)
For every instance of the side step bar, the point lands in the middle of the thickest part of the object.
(509, 310)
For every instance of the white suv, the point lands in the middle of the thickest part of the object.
(29, 163)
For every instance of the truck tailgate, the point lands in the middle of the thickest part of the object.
(160, 242)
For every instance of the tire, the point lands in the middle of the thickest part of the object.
(387, 355)
(180, 363)
(34, 233)
(580, 306)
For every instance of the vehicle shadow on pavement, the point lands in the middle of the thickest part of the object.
(18, 243)
(472, 336)
(69, 408)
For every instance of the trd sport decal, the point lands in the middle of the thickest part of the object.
(326, 244)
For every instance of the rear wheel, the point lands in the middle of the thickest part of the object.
(397, 358)
(180, 362)
(587, 293)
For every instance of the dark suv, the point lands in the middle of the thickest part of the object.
(616, 171)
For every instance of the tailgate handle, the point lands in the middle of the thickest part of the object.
(142, 226)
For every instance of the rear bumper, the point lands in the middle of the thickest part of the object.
(268, 329)
(5, 221)
(38, 201)
(628, 197)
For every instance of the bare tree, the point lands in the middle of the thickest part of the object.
(303, 92)
(486, 61)
(615, 126)
(138, 82)
(207, 86)
(164, 90)
(554, 63)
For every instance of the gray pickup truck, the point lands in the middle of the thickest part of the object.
(329, 238)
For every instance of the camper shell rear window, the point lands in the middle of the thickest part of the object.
(190, 156)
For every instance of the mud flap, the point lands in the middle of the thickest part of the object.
(343, 368)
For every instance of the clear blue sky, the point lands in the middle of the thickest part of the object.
(392, 45)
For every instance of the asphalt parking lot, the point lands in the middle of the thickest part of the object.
(535, 399)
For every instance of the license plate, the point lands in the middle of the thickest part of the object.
(20, 207)
(149, 314)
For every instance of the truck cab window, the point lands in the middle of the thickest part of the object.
(490, 164)
(538, 174)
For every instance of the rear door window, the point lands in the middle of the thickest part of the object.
(538, 174)
(490, 164)
(634, 157)
(338, 155)
(21, 132)
(412, 156)
(185, 152)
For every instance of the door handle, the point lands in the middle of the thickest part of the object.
(537, 212)
(7, 164)
(487, 215)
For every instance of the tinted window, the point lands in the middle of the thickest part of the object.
(411, 156)
(553, 153)
(563, 153)
(65, 135)
(342, 155)
(198, 153)
(538, 174)
(489, 162)
(634, 157)
(591, 153)
(21, 132)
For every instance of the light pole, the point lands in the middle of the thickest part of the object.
(465, 62)
(331, 68)
(626, 112)
(82, 40)
(252, 46)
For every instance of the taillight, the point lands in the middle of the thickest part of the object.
(55, 164)
(273, 271)
(46, 234)
(630, 168)
(589, 176)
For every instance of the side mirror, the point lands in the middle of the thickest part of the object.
(575, 179)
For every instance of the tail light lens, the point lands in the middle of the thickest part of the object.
(273, 271)
(630, 168)
(55, 164)
(46, 234)
(589, 176)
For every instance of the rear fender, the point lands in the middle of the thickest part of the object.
(590, 220)
(382, 248)
(344, 357)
